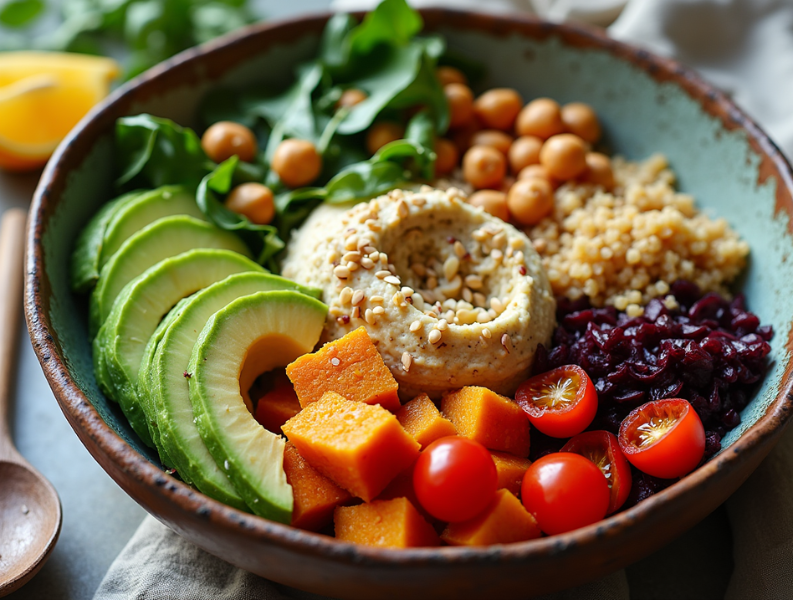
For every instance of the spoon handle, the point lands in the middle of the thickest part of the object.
(12, 235)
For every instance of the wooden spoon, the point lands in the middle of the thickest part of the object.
(30, 511)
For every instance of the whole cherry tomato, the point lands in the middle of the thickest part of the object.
(602, 448)
(455, 479)
(565, 491)
(663, 438)
(560, 403)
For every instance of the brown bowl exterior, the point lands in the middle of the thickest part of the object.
(318, 563)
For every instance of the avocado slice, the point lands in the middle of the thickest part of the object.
(251, 335)
(120, 344)
(147, 208)
(161, 239)
(85, 260)
(164, 389)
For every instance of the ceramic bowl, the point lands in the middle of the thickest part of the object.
(647, 104)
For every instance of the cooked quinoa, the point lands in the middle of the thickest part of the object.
(623, 248)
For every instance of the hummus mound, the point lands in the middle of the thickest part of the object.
(450, 295)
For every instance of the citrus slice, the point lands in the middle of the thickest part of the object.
(42, 96)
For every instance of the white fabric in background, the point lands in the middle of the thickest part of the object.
(744, 47)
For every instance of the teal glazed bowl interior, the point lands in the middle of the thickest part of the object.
(646, 104)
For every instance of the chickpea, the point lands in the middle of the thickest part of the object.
(498, 108)
(492, 202)
(537, 172)
(494, 138)
(484, 167)
(447, 75)
(524, 152)
(382, 133)
(446, 156)
(350, 98)
(226, 138)
(564, 156)
(530, 200)
(296, 162)
(541, 117)
(252, 200)
(598, 170)
(581, 120)
(459, 98)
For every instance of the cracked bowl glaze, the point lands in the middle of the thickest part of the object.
(646, 104)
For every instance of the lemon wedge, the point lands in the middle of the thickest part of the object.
(42, 96)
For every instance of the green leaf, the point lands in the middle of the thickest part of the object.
(293, 207)
(20, 13)
(393, 22)
(365, 180)
(263, 240)
(336, 45)
(153, 151)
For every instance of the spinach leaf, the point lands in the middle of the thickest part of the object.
(262, 240)
(336, 41)
(154, 152)
(393, 22)
(20, 13)
(293, 207)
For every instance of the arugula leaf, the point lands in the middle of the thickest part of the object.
(156, 152)
(263, 240)
(393, 22)
(336, 41)
(20, 13)
(293, 207)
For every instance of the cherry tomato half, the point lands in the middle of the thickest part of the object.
(664, 438)
(455, 479)
(602, 448)
(564, 491)
(560, 403)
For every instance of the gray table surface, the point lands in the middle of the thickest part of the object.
(99, 517)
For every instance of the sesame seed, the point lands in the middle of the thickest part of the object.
(369, 317)
(345, 295)
(431, 282)
(474, 281)
(358, 297)
(392, 279)
(451, 267)
(333, 257)
(407, 291)
(374, 256)
(352, 265)
(466, 294)
(483, 317)
(402, 209)
(504, 342)
(479, 300)
(378, 310)
(355, 313)
(450, 317)
(382, 274)
(415, 326)
(442, 325)
(434, 336)
(459, 249)
(376, 299)
(335, 362)
(496, 254)
(406, 359)
(351, 243)
(419, 269)
(341, 272)
(367, 263)
(486, 333)
(351, 256)
(479, 235)
(418, 200)
(496, 305)
(363, 243)
(427, 296)
(373, 225)
(384, 258)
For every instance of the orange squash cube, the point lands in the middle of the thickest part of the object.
(315, 496)
(350, 366)
(423, 421)
(510, 470)
(277, 406)
(488, 418)
(389, 523)
(505, 521)
(361, 447)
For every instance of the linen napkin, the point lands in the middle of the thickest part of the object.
(745, 48)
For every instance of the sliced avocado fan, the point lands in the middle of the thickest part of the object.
(119, 346)
(164, 387)
(250, 336)
(161, 239)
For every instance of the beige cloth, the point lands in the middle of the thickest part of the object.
(745, 48)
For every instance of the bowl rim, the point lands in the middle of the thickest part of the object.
(83, 415)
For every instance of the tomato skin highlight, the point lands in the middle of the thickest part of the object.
(455, 479)
(565, 491)
(571, 392)
(602, 447)
(676, 444)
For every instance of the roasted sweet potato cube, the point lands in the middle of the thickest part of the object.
(489, 419)
(315, 496)
(361, 447)
(350, 366)
(423, 421)
(510, 470)
(505, 521)
(392, 523)
(277, 406)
